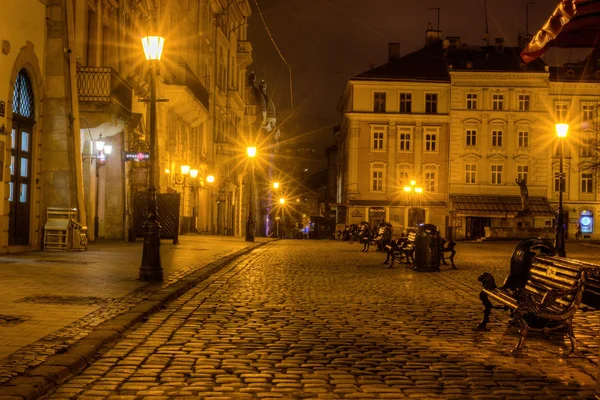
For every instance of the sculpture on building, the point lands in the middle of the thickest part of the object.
(266, 118)
(524, 196)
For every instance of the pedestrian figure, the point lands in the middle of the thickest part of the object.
(578, 234)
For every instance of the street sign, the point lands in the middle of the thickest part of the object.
(136, 156)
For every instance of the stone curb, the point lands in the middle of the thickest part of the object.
(57, 368)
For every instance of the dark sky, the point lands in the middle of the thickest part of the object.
(326, 42)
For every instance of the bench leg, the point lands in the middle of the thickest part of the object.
(452, 259)
(523, 330)
(487, 309)
(574, 350)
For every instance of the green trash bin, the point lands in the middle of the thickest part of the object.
(427, 248)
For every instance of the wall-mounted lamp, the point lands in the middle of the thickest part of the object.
(100, 151)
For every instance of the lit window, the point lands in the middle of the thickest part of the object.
(470, 173)
(496, 174)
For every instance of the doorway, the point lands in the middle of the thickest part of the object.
(476, 227)
(19, 196)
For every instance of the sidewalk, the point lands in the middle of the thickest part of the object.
(50, 300)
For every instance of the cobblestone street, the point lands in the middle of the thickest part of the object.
(319, 319)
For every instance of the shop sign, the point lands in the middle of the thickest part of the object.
(136, 156)
(356, 213)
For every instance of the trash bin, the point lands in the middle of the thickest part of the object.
(427, 248)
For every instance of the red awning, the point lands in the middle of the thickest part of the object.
(573, 24)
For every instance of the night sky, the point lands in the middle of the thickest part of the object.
(326, 42)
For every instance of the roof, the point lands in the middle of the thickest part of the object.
(387, 203)
(488, 206)
(433, 63)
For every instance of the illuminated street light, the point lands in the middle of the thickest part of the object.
(282, 201)
(251, 151)
(411, 190)
(559, 241)
(210, 179)
(151, 267)
(275, 185)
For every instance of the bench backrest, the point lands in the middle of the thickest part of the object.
(551, 272)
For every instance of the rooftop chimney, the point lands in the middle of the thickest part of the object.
(432, 36)
(394, 51)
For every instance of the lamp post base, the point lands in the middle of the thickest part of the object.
(249, 231)
(559, 242)
(151, 268)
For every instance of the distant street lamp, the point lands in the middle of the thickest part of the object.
(151, 268)
(251, 151)
(412, 190)
(559, 242)
(275, 185)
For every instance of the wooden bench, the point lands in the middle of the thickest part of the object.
(547, 302)
(403, 247)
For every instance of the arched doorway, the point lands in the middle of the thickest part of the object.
(19, 197)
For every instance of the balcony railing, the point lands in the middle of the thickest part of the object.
(104, 85)
(181, 74)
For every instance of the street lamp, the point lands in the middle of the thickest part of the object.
(279, 216)
(151, 268)
(559, 242)
(251, 151)
(275, 185)
(413, 188)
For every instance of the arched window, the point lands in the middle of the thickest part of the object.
(22, 103)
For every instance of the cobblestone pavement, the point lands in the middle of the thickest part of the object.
(319, 319)
(50, 300)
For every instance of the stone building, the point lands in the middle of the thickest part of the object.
(92, 92)
(495, 121)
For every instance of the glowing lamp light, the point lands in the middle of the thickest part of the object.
(167, 171)
(210, 179)
(562, 130)
(194, 173)
(276, 185)
(107, 149)
(282, 201)
(419, 190)
(413, 183)
(99, 143)
(153, 47)
(251, 151)
(407, 189)
(185, 169)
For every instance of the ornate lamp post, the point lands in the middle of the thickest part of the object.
(559, 242)
(281, 203)
(251, 151)
(411, 190)
(151, 268)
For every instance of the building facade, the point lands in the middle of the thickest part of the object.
(497, 170)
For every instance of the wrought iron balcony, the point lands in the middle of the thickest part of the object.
(104, 87)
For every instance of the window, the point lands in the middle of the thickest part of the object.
(558, 181)
(496, 138)
(561, 112)
(470, 173)
(403, 174)
(523, 139)
(404, 138)
(431, 137)
(377, 172)
(522, 172)
(431, 103)
(586, 183)
(587, 112)
(430, 181)
(497, 102)
(496, 174)
(378, 138)
(379, 102)
(471, 136)
(586, 147)
(471, 101)
(405, 102)
(523, 102)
